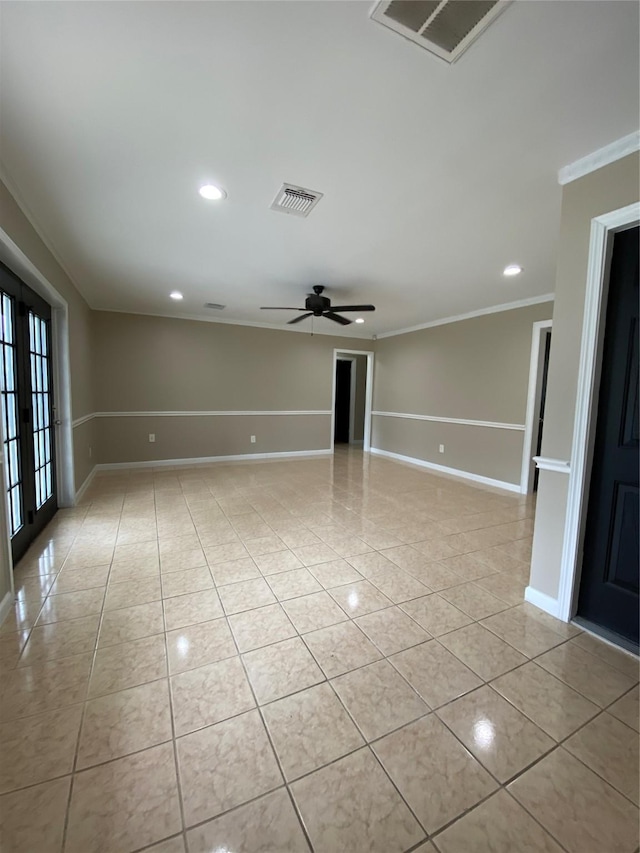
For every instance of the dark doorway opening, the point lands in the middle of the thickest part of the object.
(609, 586)
(543, 398)
(342, 418)
(27, 410)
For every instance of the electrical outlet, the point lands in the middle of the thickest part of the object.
(152, 437)
(441, 448)
(253, 439)
(90, 452)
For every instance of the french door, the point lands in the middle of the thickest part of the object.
(27, 410)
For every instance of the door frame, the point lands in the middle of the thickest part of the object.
(19, 263)
(535, 381)
(603, 229)
(368, 395)
(352, 392)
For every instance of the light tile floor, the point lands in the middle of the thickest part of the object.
(325, 654)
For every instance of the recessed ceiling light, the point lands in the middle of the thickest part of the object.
(175, 294)
(212, 193)
(359, 320)
(512, 269)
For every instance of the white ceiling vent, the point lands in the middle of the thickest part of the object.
(295, 200)
(444, 27)
(215, 305)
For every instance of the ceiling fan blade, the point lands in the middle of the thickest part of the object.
(353, 307)
(331, 315)
(279, 308)
(301, 317)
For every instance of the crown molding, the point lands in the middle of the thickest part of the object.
(249, 323)
(494, 309)
(602, 157)
(15, 192)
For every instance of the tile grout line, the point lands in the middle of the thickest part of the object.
(562, 641)
(272, 745)
(268, 734)
(86, 700)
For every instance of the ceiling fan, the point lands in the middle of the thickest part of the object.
(317, 305)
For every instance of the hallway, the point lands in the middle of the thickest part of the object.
(327, 654)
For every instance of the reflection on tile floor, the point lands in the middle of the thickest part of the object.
(316, 654)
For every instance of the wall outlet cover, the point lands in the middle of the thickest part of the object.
(441, 448)
(152, 437)
(253, 439)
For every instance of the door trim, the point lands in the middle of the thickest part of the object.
(368, 396)
(603, 229)
(530, 434)
(20, 264)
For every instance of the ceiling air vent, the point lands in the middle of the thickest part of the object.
(443, 27)
(297, 201)
(215, 305)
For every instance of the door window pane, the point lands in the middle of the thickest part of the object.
(38, 354)
(10, 414)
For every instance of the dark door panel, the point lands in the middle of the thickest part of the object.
(609, 588)
(27, 410)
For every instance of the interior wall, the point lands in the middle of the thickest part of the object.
(146, 365)
(475, 369)
(16, 225)
(605, 190)
(361, 388)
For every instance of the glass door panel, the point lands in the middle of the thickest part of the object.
(10, 416)
(27, 410)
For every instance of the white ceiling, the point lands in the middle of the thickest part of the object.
(435, 176)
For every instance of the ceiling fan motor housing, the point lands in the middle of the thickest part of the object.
(317, 304)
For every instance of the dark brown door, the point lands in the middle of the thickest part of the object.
(343, 401)
(27, 410)
(609, 585)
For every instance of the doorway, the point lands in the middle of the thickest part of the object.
(536, 400)
(609, 587)
(346, 377)
(352, 397)
(546, 348)
(26, 389)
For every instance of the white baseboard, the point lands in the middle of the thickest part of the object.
(455, 472)
(199, 460)
(543, 601)
(87, 482)
(5, 606)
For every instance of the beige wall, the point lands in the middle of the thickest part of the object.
(476, 369)
(361, 387)
(153, 364)
(20, 232)
(126, 439)
(608, 189)
(84, 450)
(5, 569)
(15, 224)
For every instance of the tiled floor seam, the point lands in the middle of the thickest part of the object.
(561, 641)
(273, 749)
(174, 744)
(557, 745)
(84, 706)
